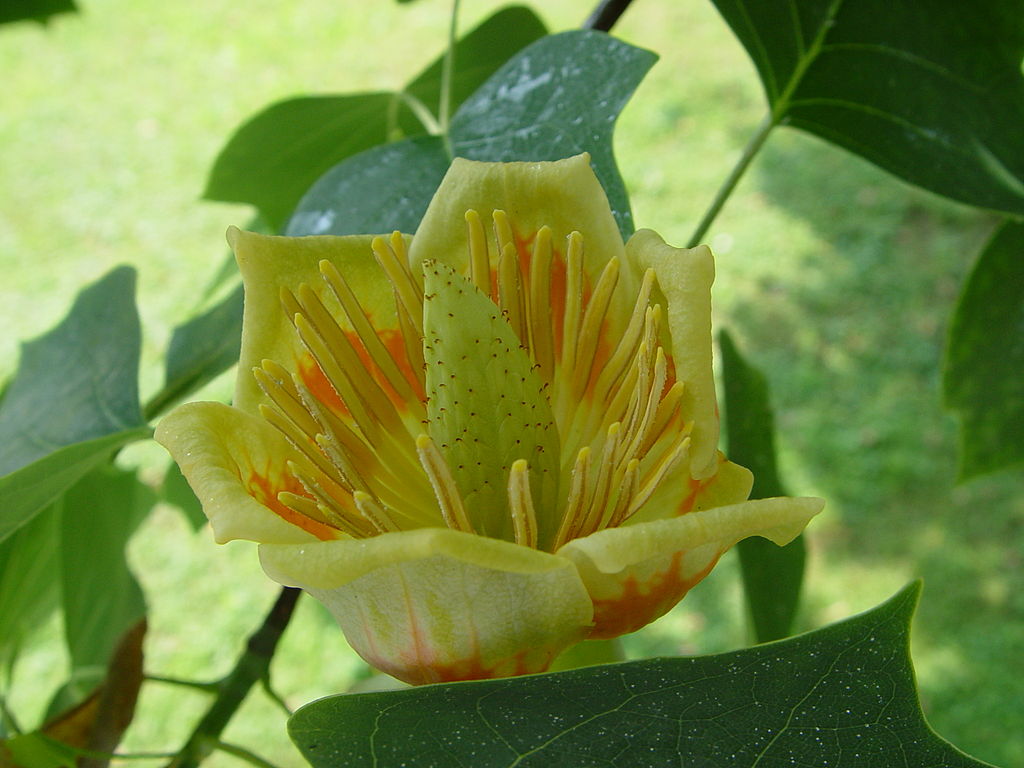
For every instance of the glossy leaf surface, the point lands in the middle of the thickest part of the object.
(554, 99)
(932, 92)
(842, 696)
(984, 376)
(274, 158)
(771, 575)
(376, 192)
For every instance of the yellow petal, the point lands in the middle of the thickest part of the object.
(636, 573)
(564, 196)
(269, 264)
(435, 604)
(685, 276)
(236, 464)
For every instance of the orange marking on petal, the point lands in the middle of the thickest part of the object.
(317, 383)
(526, 662)
(639, 605)
(265, 491)
(696, 486)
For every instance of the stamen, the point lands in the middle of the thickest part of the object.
(654, 478)
(479, 260)
(510, 292)
(374, 512)
(502, 230)
(367, 335)
(327, 502)
(309, 508)
(590, 332)
(520, 502)
(667, 410)
(616, 366)
(410, 295)
(627, 491)
(599, 499)
(542, 344)
(573, 300)
(445, 490)
(572, 519)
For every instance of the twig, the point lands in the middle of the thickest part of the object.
(606, 14)
(749, 152)
(252, 666)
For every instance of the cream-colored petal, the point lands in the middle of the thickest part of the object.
(269, 264)
(435, 604)
(228, 457)
(635, 574)
(564, 195)
(685, 276)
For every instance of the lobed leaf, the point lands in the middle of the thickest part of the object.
(931, 92)
(841, 696)
(557, 98)
(79, 381)
(274, 158)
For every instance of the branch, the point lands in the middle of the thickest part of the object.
(606, 14)
(252, 666)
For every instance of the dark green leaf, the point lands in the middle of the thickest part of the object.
(378, 191)
(34, 10)
(931, 92)
(842, 696)
(273, 159)
(101, 597)
(772, 575)
(29, 572)
(478, 55)
(200, 349)
(984, 377)
(554, 99)
(176, 490)
(31, 489)
(78, 382)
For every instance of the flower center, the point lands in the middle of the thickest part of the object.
(379, 447)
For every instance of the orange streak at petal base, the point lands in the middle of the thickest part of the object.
(639, 605)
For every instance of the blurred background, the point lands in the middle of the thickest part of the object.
(111, 119)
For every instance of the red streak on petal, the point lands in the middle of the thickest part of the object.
(265, 491)
(524, 662)
(640, 604)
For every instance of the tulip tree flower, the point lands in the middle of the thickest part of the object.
(482, 444)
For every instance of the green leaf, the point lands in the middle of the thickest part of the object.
(842, 696)
(278, 154)
(31, 489)
(772, 575)
(29, 571)
(984, 376)
(78, 382)
(486, 404)
(554, 99)
(202, 348)
(175, 490)
(34, 10)
(36, 750)
(100, 595)
(274, 158)
(478, 55)
(381, 190)
(931, 92)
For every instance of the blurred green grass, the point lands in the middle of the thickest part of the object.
(834, 277)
